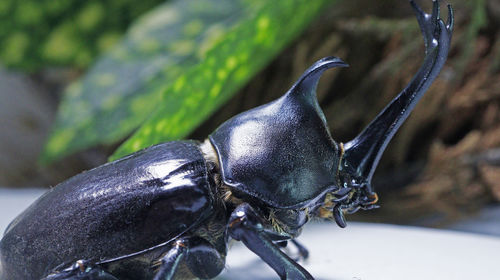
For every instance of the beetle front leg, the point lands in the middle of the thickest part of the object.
(246, 225)
(81, 270)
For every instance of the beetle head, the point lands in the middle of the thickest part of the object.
(282, 153)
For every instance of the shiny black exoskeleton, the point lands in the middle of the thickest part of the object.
(168, 211)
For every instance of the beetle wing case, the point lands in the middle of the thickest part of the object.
(116, 209)
(281, 152)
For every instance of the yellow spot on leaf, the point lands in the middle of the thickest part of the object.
(107, 40)
(136, 145)
(105, 79)
(263, 34)
(15, 47)
(241, 73)
(147, 130)
(243, 57)
(161, 16)
(263, 23)
(111, 102)
(62, 43)
(215, 90)
(28, 12)
(149, 45)
(231, 62)
(143, 104)
(83, 58)
(60, 141)
(182, 48)
(161, 125)
(193, 27)
(90, 16)
(221, 74)
(75, 89)
(119, 53)
(179, 83)
(213, 34)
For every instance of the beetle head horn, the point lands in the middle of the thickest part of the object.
(362, 154)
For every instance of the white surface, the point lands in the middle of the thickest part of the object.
(13, 202)
(487, 221)
(377, 251)
(360, 251)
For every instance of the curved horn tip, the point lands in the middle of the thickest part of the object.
(450, 21)
(309, 79)
(436, 11)
(416, 7)
(330, 61)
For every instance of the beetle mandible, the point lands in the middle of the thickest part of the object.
(168, 211)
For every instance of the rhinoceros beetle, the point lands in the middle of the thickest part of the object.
(169, 211)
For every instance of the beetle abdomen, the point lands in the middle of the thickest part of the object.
(117, 209)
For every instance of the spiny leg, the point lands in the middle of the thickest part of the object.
(81, 270)
(246, 225)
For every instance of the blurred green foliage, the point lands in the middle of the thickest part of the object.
(180, 62)
(230, 63)
(41, 33)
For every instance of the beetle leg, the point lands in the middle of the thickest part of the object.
(338, 214)
(203, 260)
(246, 225)
(170, 262)
(81, 270)
(303, 252)
(281, 243)
(201, 257)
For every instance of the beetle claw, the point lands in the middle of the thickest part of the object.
(338, 214)
(343, 191)
(450, 21)
(81, 269)
(341, 195)
(341, 198)
(370, 207)
(353, 210)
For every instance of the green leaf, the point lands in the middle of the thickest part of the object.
(42, 33)
(215, 44)
(120, 91)
(230, 63)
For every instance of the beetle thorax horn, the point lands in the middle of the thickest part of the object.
(282, 152)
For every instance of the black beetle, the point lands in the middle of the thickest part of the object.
(168, 211)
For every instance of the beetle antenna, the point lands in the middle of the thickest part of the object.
(363, 153)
